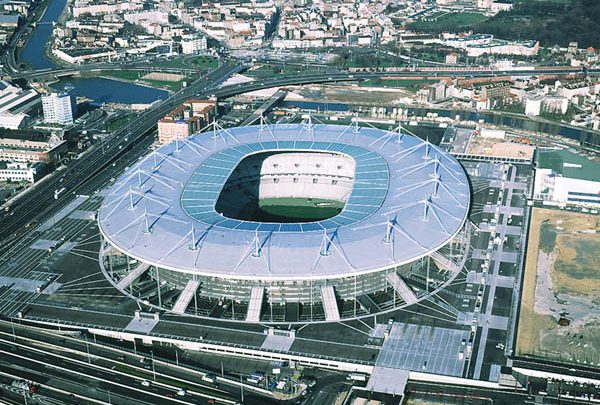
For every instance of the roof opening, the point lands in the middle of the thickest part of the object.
(285, 187)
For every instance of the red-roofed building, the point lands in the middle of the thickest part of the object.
(185, 120)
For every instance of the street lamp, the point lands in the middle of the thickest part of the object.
(153, 369)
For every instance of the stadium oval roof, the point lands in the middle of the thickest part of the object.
(409, 198)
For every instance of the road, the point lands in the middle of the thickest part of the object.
(312, 78)
(98, 67)
(326, 389)
(444, 71)
(40, 199)
(67, 362)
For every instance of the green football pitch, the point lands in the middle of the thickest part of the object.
(297, 209)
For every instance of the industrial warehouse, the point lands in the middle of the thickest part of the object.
(287, 223)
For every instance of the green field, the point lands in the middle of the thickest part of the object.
(186, 62)
(447, 22)
(297, 209)
(117, 123)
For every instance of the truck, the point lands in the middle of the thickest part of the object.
(256, 377)
(209, 378)
(356, 377)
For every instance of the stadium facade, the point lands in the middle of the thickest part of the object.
(287, 223)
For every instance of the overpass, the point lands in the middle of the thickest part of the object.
(45, 74)
(266, 107)
(316, 78)
(440, 72)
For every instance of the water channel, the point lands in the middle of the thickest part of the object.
(98, 89)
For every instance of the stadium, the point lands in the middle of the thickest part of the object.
(291, 223)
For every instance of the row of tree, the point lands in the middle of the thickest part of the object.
(549, 21)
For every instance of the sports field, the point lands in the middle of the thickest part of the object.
(562, 283)
(298, 209)
(450, 20)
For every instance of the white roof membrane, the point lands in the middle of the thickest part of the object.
(409, 198)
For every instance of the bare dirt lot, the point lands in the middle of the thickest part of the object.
(562, 282)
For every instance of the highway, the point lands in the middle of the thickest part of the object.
(98, 67)
(277, 81)
(41, 200)
(48, 368)
(89, 369)
(442, 71)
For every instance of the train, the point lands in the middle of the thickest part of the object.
(434, 69)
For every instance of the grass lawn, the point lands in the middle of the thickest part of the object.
(204, 61)
(449, 20)
(117, 123)
(173, 86)
(197, 61)
(299, 208)
(123, 74)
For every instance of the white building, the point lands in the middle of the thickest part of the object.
(151, 17)
(533, 106)
(17, 172)
(191, 44)
(13, 121)
(565, 178)
(530, 48)
(59, 108)
(570, 90)
(493, 133)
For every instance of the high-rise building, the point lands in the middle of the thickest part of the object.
(59, 108)
(191, 44)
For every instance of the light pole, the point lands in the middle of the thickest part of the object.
(242, 389)
(153, 369)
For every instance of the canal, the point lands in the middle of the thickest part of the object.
(98, 89)
(585, 136)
